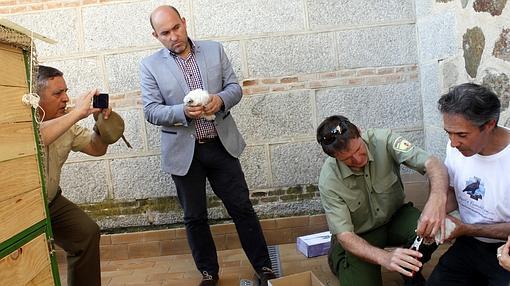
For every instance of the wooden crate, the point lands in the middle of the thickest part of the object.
(25, 255)
(28, 264)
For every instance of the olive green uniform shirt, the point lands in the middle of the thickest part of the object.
(74, 139)
(362, 201)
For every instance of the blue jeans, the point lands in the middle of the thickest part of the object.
(226, 178)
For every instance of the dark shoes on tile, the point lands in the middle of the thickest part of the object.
(265, 274)
(209, 280)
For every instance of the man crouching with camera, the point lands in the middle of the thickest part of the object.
(73, 229)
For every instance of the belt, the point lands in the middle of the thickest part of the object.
(206, 140)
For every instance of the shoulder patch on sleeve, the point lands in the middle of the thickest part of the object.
(402, 145)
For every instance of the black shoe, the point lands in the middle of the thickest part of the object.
(265, 274)
(209, 280)
(416, 280)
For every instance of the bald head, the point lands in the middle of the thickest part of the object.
(162, 11)
(170, 30)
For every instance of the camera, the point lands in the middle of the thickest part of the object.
(100, 101)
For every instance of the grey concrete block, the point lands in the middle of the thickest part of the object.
(377, 46)
(81, 75)
(364, 12)
(140, 178)
(386, 106)
(246, 17)
(286, 209)
(60, 25)
(123, 70)
(255, 167)
(436, 140)
(296, 163)
(450, 75)
(133, 121)
(120, 25)
(153, 136)
(275, 116)
(423, 8)
(233, 51)
(85, 182)
(145, 219)
(437, 36)
(430, 92)
(294, 54)
(416, 137)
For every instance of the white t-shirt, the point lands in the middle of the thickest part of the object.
(482, 186)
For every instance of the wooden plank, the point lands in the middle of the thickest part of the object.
(12, 109)
(18, 176)
(16, 140)
(43, 278)
(20, 212)
(12, 69)
(26, 263)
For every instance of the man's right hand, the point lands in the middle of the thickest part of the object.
(403, 260)
(83, 104)
(193, 112)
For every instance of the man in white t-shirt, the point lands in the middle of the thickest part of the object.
(478, 162)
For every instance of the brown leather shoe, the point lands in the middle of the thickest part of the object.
(265, 274)
(209, 280)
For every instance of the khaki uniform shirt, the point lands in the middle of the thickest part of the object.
(74, 139)
(362, 201)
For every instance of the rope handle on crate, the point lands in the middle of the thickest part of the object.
(31, 98)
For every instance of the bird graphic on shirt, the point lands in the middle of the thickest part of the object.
(474, 189)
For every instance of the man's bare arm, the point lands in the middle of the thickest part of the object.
(432, 218)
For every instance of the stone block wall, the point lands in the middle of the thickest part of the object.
(461, 41)
(298, 61)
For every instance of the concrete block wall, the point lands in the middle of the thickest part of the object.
(461, 41)
(298, 61)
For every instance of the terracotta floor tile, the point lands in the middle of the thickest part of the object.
(116, 273)
(133, 278)
(165, 276)
(180, 270)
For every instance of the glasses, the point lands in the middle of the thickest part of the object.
(331, 136)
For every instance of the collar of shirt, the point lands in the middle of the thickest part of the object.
(346, 171)
(192, 45)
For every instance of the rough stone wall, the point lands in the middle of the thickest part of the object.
(461, 41)
(297, 60)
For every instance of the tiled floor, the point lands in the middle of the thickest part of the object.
(179, 270)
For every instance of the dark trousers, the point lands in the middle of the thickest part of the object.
(78, 235)
(469, 262)
(399, 232)
(226, 178)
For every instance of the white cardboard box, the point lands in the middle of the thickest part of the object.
(314, 244)
(299, 279)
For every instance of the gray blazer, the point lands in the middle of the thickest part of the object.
(163, 89)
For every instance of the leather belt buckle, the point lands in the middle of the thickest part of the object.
(205, 140)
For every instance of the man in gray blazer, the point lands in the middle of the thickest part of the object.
(192, 148)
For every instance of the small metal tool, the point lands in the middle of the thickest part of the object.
(416, 246)
(246, 282)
